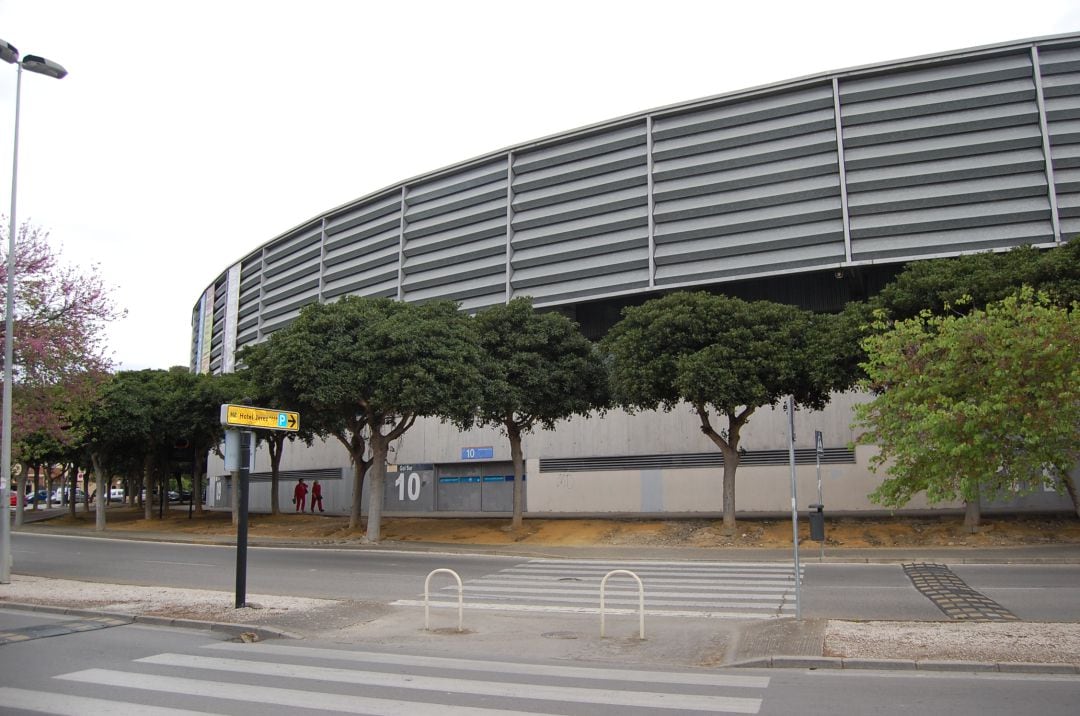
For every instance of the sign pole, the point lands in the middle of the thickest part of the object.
(819, 449)
(242, 535)
(238, 459)
(237, 454)
(794, 503)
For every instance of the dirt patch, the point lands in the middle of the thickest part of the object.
(945, 531)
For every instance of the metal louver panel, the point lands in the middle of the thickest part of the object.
(944, 159)
(290, 275)
(362, 246)
(747, 186)
(455, 237)
(580, 216)
(1061, 93)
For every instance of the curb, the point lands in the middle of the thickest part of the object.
(234, 630)
(831, 662)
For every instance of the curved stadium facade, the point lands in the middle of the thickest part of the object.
(813, 191)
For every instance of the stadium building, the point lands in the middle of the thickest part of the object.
(813, 191)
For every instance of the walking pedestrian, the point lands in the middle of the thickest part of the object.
(300, 494)
(316, 496)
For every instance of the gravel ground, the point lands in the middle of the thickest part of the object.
(200, 604)
(1049, 643)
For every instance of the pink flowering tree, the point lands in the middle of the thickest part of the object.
(60, 312)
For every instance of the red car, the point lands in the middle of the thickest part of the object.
(30, 497)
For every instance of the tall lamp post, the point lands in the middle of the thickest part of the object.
(41, 66)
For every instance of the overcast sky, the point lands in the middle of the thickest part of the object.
(190, 132)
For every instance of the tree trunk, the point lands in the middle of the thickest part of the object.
(198, 468)
(352, 437)
(514, 433)
(731, 464)
(972, 514)
(102, 492)
(148, 487)
(73, 484)
(20, 492)
(1070, 487)
(37, 477)
(275, 445)
(359, 470)
(380, 445)
(729, 448)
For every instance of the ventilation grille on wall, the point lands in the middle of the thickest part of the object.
(806, 456)
(326, 473)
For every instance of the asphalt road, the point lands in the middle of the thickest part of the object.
(325, 573)
(145, 671)
(1042, 592)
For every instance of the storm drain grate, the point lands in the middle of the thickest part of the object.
(953, 596)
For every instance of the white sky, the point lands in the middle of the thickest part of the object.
(190, 132)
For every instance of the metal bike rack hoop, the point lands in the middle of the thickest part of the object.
(641, 600)
(460, 599)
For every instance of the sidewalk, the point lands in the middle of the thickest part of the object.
(785, 642)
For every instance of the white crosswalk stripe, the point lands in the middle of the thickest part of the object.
(274, 678)
(731, 590)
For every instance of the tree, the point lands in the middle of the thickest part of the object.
(979, 404)
(191, 413)
(720, 355)
(265, 385)
(539, 369)
(59, 311)
(366, 368)
(983, 278)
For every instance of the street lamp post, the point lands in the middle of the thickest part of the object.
(41, 66)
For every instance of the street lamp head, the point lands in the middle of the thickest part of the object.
(8, 53)
(38, 64)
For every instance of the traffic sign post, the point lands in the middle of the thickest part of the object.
(794, 505)
(819, 450)
(239, 459)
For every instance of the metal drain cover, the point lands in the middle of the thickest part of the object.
(560, 635)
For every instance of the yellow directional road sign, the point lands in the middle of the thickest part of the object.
(265, 418)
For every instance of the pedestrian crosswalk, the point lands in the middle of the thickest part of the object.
(273, 678)
(730, 590)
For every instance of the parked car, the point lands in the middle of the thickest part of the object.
(61, 495)
(116, 493)
(31, 497)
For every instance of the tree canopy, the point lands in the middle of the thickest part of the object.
(983, 278)
(538, 369)
(59, 313)
(366, 368)
(980, 404)
(722, 356)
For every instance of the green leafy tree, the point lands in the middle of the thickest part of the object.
(366, 368)
(539, 369)
(981, 404)
(116, 426)
(191, 413)
(266, 386)
(726, 358)
(983, 278)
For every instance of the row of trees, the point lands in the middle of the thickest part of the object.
(363, 370)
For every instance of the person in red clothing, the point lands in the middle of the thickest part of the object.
(300, 495)
(316, 496)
